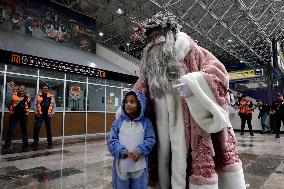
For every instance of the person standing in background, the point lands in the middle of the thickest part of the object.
(246, 109)
(18, 111)
(44, 110)
(238, 99)
(263, 113)
(278, 111)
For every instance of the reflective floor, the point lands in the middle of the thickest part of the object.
(80, 163)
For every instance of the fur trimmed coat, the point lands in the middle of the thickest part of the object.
(213, 161)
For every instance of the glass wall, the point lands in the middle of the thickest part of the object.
(85, 106)
(96, 108)
(75, 108)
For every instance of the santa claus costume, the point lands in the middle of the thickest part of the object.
(195, 136)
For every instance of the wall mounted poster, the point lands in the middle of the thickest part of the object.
(75, 92)
(45, 20)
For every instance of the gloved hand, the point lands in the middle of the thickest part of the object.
(183, 89)
(258, 117)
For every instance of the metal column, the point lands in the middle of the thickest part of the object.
(269, 70)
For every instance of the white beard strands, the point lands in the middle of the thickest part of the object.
(160, 66)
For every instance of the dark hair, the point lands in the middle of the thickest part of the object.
(45, 85)
(138, 102)
(22, 85)
(130, 93)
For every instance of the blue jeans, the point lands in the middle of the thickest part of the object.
(263, 120)
(13, 119)
(139, 183)
(38, 124)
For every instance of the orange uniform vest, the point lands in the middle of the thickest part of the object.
(39, 101)
(243, 104)
(249, 109)
(15, 100)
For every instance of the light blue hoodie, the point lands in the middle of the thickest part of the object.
(117, 150)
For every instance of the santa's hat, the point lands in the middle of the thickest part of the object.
(164, 21)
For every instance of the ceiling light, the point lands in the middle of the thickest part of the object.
(93, 65)
(230, 40)
(127, 44)
(101, 34)
(119, 11)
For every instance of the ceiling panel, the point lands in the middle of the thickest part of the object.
(250, 24)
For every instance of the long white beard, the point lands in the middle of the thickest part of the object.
(160, 66)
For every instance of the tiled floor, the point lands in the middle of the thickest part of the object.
(80, 163)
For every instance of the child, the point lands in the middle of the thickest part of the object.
(131, 139)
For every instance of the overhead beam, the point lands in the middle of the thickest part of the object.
(196, 30)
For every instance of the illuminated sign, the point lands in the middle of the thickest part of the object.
(62, 66)
(43, 63)
(246, 74)
(15, 59)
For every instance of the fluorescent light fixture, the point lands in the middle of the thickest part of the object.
(230, 40)
(93, 65)
(101, 34)
(119, 11)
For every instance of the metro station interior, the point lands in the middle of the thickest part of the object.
(88, 57)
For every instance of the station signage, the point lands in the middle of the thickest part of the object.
(8, 57)
(246, 74)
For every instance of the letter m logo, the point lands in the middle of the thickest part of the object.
(15, 59)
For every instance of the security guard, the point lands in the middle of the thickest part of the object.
(278, 110)
(246, 109)
(263, 114)
(44, 109)
(18, 111)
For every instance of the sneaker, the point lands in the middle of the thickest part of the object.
(49, 144)
(251, 134)
(34, 144)
(277, 136)
(25, 147)
(8, 146)
(242, 133)
(26, 144)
